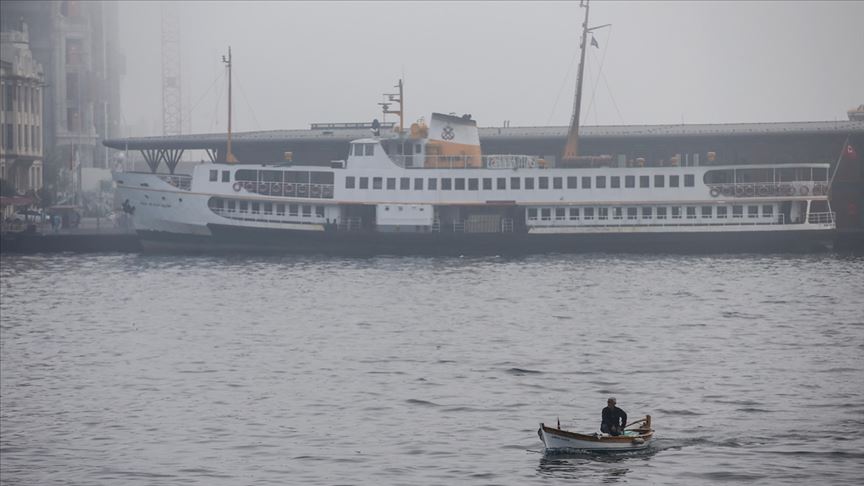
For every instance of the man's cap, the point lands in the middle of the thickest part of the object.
(612, 399)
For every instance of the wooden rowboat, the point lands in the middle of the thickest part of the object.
(636, 438)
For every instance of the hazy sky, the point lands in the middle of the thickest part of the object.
(297, 63)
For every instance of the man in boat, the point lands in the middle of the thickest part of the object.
(614, 419)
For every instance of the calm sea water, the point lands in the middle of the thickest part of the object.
(149, 370)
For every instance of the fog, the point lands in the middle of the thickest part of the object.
(297, 63)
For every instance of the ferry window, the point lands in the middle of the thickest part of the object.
(752, 211)
(586, 183)
(487, 183)
(446, 184)
(268, 208)
(271, 175)
(418, 149)
(543, 182)
(391, 183)
(691, 212)
(319, 211)
(501, 183)
(676, 212)
(688, 180)
(226, 176)
(673, 181)
(603, 213)
(619, 213)
(459, 183)
(601, 182)
(246, 175)
(632, 213)
(721, 211)
(644, 181)
(574, 213)
(588, 213)
(244, 206)
(659, 181)
(214, 175)
(292, 209)
(280, 209)
(318, 178)
(706, 211)
(560, 214)
(433, 184)
(357, 149)
(737, 211)
(256, 208)
(630, 181)
(473, 184)
(377, 182)
(307, 211)
(297, 176)
(661, 213)
(349, 182)
(532, 214)
(557, 183)
(370, 149)
(418, 183)
(364, 183)
(405, 183)
(232, 206)
(514, 183)
(768, 211)
(572, 182)
(529, 183)
(647, 213)
(615, 182)
(546, 214)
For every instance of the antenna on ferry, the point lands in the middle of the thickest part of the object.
(571, 150)
(229, 155)
(395, 98)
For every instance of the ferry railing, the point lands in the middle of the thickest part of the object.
(592, 221)
(505, 161)
(822, 218)
(769, 189)
(182, 182)
(288, 189)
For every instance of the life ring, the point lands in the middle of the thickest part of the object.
(715, 192)
(237, 186)
(289, 188)
(277, 189)
(788, 190)
(749, 190)
(262, 187)
(763, 190)
(249, 186)
(804, 190)
(727, 190)
(315, 191)
(532, 163)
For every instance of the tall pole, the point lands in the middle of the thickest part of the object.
(571, 150)
(229, 155)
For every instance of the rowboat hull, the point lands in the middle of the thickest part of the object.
(563, 440)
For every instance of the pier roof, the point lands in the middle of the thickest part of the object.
(343, 135)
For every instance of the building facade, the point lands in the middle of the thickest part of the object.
(21, 127)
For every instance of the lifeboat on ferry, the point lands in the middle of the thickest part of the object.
(637, 436)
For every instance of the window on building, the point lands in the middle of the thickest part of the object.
(446, 184)
(557, 183)
(659, 180)
(601, 182)
(673, 180)
(574, 213)
(514, 183)
(629, 181)
(473, 184)
(529, 183)
(364, 183)
(501, 183)
(349, 182)
(214, 175)
(459, 184)
(572, 182)
(487, 183)
(391, 183)
(586, 183)
(418, 183)
(543, 182)
(377, 182)
(644, 181)
(615, 182)
(689, 180)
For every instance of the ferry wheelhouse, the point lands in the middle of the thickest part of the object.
(432, 191)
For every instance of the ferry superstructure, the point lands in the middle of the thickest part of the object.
(433, 192)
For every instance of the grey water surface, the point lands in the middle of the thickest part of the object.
(164, 370)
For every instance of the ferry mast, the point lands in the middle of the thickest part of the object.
(229, 155)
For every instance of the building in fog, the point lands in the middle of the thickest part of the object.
(76, 44)
(21, 83)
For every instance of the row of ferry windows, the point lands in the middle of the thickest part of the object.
(649, 212)
(279, 209)
(500, 183)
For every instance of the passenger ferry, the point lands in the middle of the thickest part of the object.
(432, 191)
